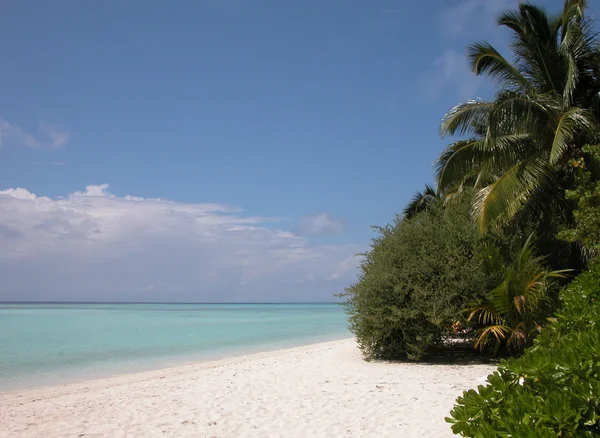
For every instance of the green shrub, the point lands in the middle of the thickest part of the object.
(415, 281)
(586, 229)
(554, 388)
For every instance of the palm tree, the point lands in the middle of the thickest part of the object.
(421, 201)
(520, 144)
(517, 307)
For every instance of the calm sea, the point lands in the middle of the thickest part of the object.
(42, 344)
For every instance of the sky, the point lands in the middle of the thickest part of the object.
(218, 150)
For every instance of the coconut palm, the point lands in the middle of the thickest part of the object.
(516, 309)
(520, 144)
(421, 201)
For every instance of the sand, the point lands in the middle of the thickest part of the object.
(321, 390)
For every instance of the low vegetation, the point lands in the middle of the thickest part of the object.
(553, 390)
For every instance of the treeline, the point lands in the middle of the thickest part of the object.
(486, 256)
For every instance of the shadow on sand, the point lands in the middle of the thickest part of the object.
(454, 352)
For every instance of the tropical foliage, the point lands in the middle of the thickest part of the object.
(553, 390)
(516, 309)
(415, 282)
(526, 163)
(520, 144)
(586, 230)
(421, 201)
(534, 158)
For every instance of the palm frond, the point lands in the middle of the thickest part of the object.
(517, 337)
(572, 123)
(465, 118)
(510, 191)
(545, 111)
(516, 113)
(572, 79)
(499, 332)
(559, 273)
(479, 160)
(421, 201)
(485, 314)
(536, 21)
(519, 303)
(512, 20)
(526, 254)
(573, 11)
(537, 49)
(458, 161)
(485, 176)
(511, 312)
(578, 46)
(486, 60)
(500, 297)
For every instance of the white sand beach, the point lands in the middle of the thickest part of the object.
(321, 390)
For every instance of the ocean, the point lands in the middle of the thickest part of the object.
(46, 344)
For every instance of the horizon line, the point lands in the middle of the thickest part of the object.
(171, 302)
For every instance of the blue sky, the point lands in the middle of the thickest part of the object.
(300, 123)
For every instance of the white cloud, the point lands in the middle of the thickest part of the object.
(49, 136)
(321, 223)
(472, 16)
(450, 72)
(93, 245)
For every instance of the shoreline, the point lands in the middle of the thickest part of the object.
(178, 362)
(322, 389)
(164, 363)
(177, 368)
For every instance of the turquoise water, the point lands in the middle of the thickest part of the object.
(42, 344)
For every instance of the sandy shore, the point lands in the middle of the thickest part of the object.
(321, 390)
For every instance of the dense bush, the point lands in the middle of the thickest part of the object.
(415, 281)
(554, 388)
(586, 229)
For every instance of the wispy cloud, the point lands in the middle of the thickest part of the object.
(48, 163)
(469, 17)
(321, 223)
(461, 23)
(47, 137)
(450, 73)
(58, 137)
(94, 245)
